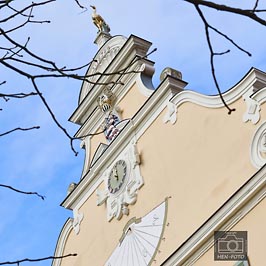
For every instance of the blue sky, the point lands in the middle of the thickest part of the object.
(41, 160)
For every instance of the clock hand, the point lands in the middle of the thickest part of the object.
(116, 174)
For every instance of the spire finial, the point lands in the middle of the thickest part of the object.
(99, 22)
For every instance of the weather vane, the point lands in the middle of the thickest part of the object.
(99, 22)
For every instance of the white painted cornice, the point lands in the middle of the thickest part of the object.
(133, 47)
(259, 96)
(253, 81)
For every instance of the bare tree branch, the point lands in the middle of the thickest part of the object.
(229, 39)
(212, 54)
(60, 72)
(90, 134)
(256, 5)
(80, 4)
(18, 95)
(18, 57)
(18, 128)
(52, 115)
(22, 192)
(4, 3)
(18, 262)
(243, 12)
(21, 12)
(29, 20)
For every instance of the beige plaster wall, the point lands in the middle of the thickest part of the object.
(95, 237)
(199, 162)
(95, 141)
(131, 102)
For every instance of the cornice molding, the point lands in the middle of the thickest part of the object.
(253, 81)
(132, 48)
(61, 242)
(259, 96)
(258, 146)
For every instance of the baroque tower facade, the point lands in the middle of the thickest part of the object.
(164, 167)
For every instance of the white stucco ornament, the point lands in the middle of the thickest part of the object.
(253, 110)
(78, 217)
(122, 180)
(100, 62)
(258, 146)
(170, 115)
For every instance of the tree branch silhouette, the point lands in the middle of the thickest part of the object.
(22, 192)
(19, 58)
(18, 129)
(18, 262)
(212, 55)
(249, 13)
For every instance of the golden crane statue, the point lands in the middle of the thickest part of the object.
(99, 22)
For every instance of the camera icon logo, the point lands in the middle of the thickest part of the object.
(231, 245)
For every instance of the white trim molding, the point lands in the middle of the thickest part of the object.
(258, 146)
(251, 88)
(254, 101)
(224, 219)
(253, 108)
(85, 144)
(61, 242)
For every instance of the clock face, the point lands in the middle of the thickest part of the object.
(117, 176)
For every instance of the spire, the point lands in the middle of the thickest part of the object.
(103, 33)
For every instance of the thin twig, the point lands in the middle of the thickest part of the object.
(90, 135)
(212, 54)
(256, 5)
(243, 12)
(230, 40)
(21, 12)
(52, 114)
(80, 4)
(36, 260)
(18, 95)
(222, 53)
(18, 128)
(22, 192)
